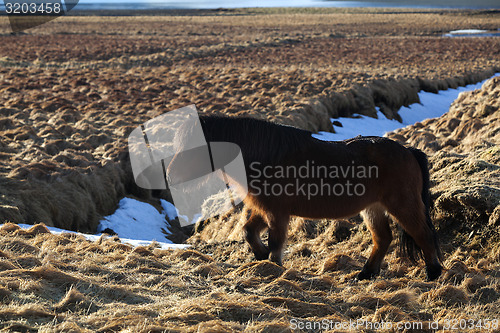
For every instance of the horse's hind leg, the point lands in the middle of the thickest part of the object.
(415, 221)
(378, 224)
(278, 229)
(255, 225)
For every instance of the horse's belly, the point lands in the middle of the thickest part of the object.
(335, 195)
(331, 207)
(314, 206)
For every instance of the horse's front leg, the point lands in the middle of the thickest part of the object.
(278, 229)
(255, 225)
(378, 224)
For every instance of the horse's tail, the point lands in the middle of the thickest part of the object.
(407, 245)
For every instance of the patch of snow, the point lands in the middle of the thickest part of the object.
(351, 127)
(171, 212)
(93, 238)
(468, 31)
(169, 209)
(162, 245)
(138, 220)
(136, 223)
(431, 106)
(472, 33)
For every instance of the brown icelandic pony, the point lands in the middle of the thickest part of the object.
(291, 173)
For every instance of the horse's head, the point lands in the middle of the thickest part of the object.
(222, 158)
(189, 165)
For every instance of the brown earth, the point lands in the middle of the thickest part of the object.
(69, 97)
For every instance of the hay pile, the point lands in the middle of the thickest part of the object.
(69, 95)
(56, 283)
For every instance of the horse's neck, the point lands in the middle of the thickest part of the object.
(252, 145)
(259, 141)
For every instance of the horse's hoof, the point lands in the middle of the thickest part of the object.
(366, 275)
(279, 263)
(276, 260)
(433, 272)
(263, 256)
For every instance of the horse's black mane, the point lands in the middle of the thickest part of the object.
(259, 140)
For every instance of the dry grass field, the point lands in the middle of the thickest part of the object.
(73, 89)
